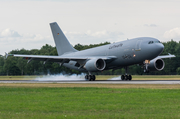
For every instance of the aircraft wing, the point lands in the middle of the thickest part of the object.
(61, 59)
(165, 56)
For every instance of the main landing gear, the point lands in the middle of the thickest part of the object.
(90, 77)
(126, 77)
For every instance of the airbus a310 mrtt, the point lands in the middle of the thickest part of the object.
(142, 50)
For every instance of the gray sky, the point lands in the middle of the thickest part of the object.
(25, 23)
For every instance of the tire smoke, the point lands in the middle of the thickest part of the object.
(61, 77)
(115, 78)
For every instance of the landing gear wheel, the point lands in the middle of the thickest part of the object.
(86, 77)
(93, 77)
(90, 77)
(122, 77)
(126, 77)
(130, 77)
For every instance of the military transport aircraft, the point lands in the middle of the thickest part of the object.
(143, 50)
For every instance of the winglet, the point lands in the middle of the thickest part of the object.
(6, 55)
(171, 55)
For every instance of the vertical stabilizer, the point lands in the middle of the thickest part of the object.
(62, 44)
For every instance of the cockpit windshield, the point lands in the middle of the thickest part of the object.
(151, 42)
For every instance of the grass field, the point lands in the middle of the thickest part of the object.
(86, 101)
(98, 103)
(18, 77)
(103, 77)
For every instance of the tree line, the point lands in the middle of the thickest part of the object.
(19, 66)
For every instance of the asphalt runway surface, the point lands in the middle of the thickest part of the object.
(95, 82)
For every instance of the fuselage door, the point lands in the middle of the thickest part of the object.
(138, 45)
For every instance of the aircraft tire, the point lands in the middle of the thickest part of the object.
(93, 77)
(122, 77)
(89, 77)
(126, 77)
(86, 77)
(130, 77)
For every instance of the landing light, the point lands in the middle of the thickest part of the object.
(147, 62)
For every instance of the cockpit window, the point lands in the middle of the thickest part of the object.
(151, 42)
(156, 41)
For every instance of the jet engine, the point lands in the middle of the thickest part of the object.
(156, 65)
(95, 65)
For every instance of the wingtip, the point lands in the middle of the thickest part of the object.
(6, 55)
(172, 55)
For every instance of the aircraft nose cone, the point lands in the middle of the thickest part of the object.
(160, 47)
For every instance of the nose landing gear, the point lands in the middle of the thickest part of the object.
(146, 63)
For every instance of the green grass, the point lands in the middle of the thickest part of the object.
(41, 103)
(19, 77)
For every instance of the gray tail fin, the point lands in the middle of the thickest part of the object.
(62, 44)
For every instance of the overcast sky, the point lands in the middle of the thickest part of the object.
(25, 23)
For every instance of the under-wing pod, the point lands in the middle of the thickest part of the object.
(156, 65)
(95, 65)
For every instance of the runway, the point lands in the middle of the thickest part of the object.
(94, 82)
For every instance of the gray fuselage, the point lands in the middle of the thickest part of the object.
(128, 52)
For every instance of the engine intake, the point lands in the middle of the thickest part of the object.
(156, 65)
(95, 65)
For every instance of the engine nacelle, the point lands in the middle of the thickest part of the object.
(95, 65)
(156, 65)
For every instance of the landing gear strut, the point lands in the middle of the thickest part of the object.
(126, 77)
(90, 77)
(146, 63)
